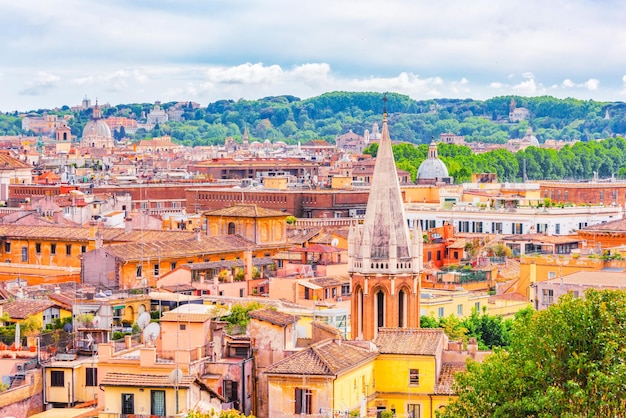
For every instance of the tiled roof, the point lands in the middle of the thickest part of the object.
(144, 380)
(80, 233)
(325, 281)
(9, 163)
(22, 308)
(178, 248)
(618, 225)
(327, 358)
(445, 386)
(274, 317)
(185, 317)
(413, 341)
(247, 211)
(300, 236)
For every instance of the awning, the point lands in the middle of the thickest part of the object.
(309, 285)
(119, 307)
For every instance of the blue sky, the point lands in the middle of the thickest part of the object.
(54, 52)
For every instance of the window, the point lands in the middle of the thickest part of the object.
(53, 249)
(83, 248)
(345, 289)
(57, 378)
(497, 227)
(25, 254)
(303, 401)
(172, 265)
(414, 377)
(557, 229)
(440, 312)
(68, 249)
(551, 275)
(138, 272)
(182, 327)
(157, 402)
(128, 403)
(231, 228)
(156, 269)
(547, 296)
(477, 306)
(231, 391)
(38, 247)
(307, 293)
(91, 376)
(459, 309)
(7, 247)
(413, 410)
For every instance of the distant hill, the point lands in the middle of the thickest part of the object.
(290, 119)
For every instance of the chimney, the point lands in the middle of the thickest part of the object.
(93, 227)
(247, 265)
(128, 225)
(472, 346)
(196, 232)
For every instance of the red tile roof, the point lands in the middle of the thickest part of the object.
(445, 386)
(415, 341)
(326, 358)
(247, 211)
(274, 317)
(144, 380)
(22, 308)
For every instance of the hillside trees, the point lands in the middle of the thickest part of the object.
(566, 361)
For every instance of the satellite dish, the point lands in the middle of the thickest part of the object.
(143, 320)
(176, 376)
(67, 327)
(151, 332)
(334, 242)
(96, 321)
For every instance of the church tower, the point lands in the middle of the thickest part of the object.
(385, 257)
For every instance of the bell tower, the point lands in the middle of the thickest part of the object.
(385, 258)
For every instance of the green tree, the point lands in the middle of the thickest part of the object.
(566, 361)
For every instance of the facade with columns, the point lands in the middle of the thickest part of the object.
(385, 257)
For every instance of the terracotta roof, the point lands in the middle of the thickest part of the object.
(274, 317)
(9, 163)
(247, 211)
(415, 341)
(144, 380)
(445, 386)
(185, 317)
(300, 236)
(541, 238)
(22, 308)
(81, 233)
(325, 281)
(326, 358)
(178, 248)
(316, 248)
(618, 225)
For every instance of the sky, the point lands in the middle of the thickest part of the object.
(55, 53)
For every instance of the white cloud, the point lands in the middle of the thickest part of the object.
(40, 84)
(591, 84)
(567, 83)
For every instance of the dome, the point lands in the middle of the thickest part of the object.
(431, 169)
(529, 138)
(97, 128)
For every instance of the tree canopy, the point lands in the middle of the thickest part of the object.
(566, 361)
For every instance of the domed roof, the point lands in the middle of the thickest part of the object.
(432, 168)
(530, 138)
(97, 128)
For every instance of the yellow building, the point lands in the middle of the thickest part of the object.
(260, 225)
(43, 311)
(406, 372)
(70, 380)
(329, 377)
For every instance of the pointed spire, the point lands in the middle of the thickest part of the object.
(384, 245)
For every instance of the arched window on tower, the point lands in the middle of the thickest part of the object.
(231, 228)
(359, 304)
(401, 309)
(380, 309)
